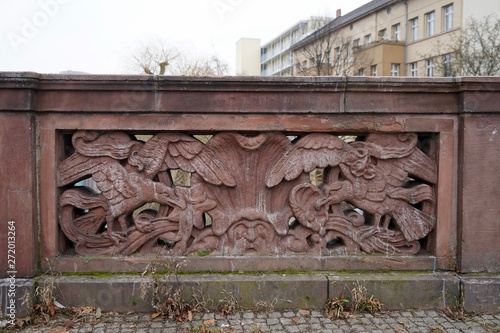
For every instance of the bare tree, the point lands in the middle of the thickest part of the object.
(156, 58)
(473, 52)
(200, 66)
(153, 57)
(328, 54)
(479, 46)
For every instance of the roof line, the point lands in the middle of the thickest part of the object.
(343, 20)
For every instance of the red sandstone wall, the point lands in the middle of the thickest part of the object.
(480, 193)
(465, 113)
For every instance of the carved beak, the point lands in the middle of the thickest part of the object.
(321, 202)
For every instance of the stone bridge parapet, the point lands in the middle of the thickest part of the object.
(244, 174)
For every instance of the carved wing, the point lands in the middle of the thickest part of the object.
(76, 167)
(113, 144)
(113, 181)
(178, 151)
(405, 158)
(415, 223)
(110, 176)
(310, 152)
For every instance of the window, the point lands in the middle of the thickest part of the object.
(361, 72)
(447, 65)
(338, 55)
(413, 69)
(396, 32)
(394, 69)
(382, 34)
(368, 39)
(431, 20)
(414, 29)
(355, 43)
(347, 48)
(374, 70)
(327, 57)
(429, 67)
(448, 17)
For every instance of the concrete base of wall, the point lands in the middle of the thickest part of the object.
(396, 291)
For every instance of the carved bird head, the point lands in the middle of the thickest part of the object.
(360, 163)
(335, 193)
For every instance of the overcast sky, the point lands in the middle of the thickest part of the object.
(97, 36)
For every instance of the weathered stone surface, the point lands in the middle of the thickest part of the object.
(266, 290)
(304, 291)
(480, 194)
(123, 294)
(456, 121)
(18, 228)
(216, 264)
(479, 94)
(400, 290)
(481, 293)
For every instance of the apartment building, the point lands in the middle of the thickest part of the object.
(248, 56)
(276, 56)
(388, 38)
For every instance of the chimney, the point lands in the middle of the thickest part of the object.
(339, 13)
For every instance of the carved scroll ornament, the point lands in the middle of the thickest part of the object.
(247, 194)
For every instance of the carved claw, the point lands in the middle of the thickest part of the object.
(321, 202)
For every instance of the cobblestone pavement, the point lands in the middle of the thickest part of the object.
(288, 321)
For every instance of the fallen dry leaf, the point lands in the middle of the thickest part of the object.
(68, 324)
(190, 316)
(155, 315)
(209, 322)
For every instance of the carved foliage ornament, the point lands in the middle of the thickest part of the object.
(247, 194)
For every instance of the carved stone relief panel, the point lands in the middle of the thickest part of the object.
(246, 195)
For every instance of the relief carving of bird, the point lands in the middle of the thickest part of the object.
(129, 183)
(375, 176)
(372, 175)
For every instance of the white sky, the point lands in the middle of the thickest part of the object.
(97, 36)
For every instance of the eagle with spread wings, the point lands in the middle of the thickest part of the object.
(126, 172)
(386, 176)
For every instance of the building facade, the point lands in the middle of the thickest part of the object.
(247, 56)
(389, 38)
(276, 56)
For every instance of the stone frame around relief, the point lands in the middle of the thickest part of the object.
(442, 252)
